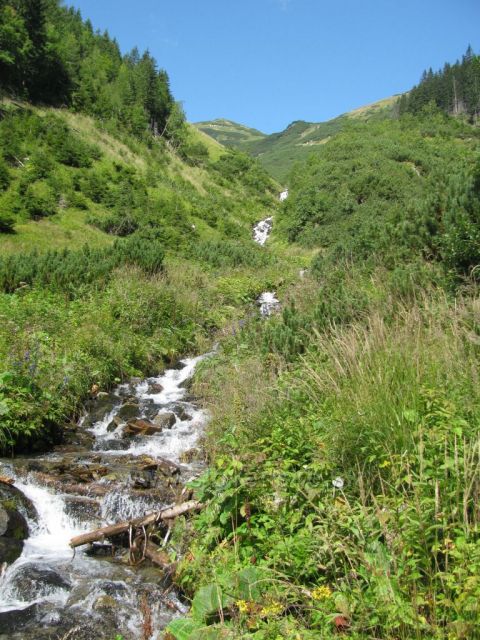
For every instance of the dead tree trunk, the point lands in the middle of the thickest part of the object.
(136, 523)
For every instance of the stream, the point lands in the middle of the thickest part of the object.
(93, 480)
(100, 475)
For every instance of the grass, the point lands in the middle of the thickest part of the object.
(66, 229)
(390, 404)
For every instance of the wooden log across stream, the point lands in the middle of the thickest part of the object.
(122, 527)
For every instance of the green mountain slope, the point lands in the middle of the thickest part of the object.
(229, 133)
(278, 152)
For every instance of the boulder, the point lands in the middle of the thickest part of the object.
(165, 420)
(38, 581)
(12, 621)
(141, 428)
(155, 387)
(128, 411)
(99, 407)
(181, 412)
(112, 444)
(14, 507)
(116, 422)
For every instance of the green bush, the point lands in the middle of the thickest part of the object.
(6, 223)
(40, 200)
(4, 175)
(71, 271)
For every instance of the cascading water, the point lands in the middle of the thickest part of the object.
(262, 230)
(49, 589)
(267, 301)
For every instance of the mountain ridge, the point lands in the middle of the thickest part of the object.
(279, 151)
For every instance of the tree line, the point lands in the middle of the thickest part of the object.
(50, 55)
(455, 89)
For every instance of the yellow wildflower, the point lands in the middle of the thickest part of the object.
(322, 593)
(272, 609)
(242, 606)
(384, 464)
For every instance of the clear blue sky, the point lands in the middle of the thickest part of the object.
(265, 63)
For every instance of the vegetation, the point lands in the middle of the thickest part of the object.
(343, 483)
(279, 152)
(342, 492)
(455, 89)
(106, 224)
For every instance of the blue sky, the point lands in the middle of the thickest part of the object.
(265, 63)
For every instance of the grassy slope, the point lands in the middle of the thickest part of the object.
(278, 152)
(69, 228)
(229, 133)
(64, 341)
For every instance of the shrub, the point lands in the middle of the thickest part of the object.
(4, 175)
(40, 200)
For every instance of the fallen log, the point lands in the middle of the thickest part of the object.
(157, 556)
(122, 527)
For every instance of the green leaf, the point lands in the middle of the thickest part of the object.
(248, 585)
(183, 628)
(208, 601)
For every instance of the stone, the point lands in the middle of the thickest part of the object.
(128, 411)
(141, 428)
(105, 602)
(10, 550)
(165, 420)
(99, 407)
(12, 621)
(181, 413)
(155, 387)
(116, 422)
(39, 581)
(11, 496)
(113, 444)
(189, 456)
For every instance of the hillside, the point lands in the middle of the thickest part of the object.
(278, 152)
(230, 134)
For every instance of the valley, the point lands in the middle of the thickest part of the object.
(239, 372)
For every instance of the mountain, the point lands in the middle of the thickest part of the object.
(278, 152)
(229, 133)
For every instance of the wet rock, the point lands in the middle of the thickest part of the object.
(38, 581)
(149, 409)
(13, 524)
(178, 365)
(10, 550)
(105, 602)
(115, 423)
(11, 496)
(141, 428)
(113, 444)
(112, 588)
(181, 412)
(166, 467)
(165, 420)
(186, 384)
(155, 387)
(100, 407)
(144, 479)
(128, 411)
(102, 549)
(12, 621)
(82, 508)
